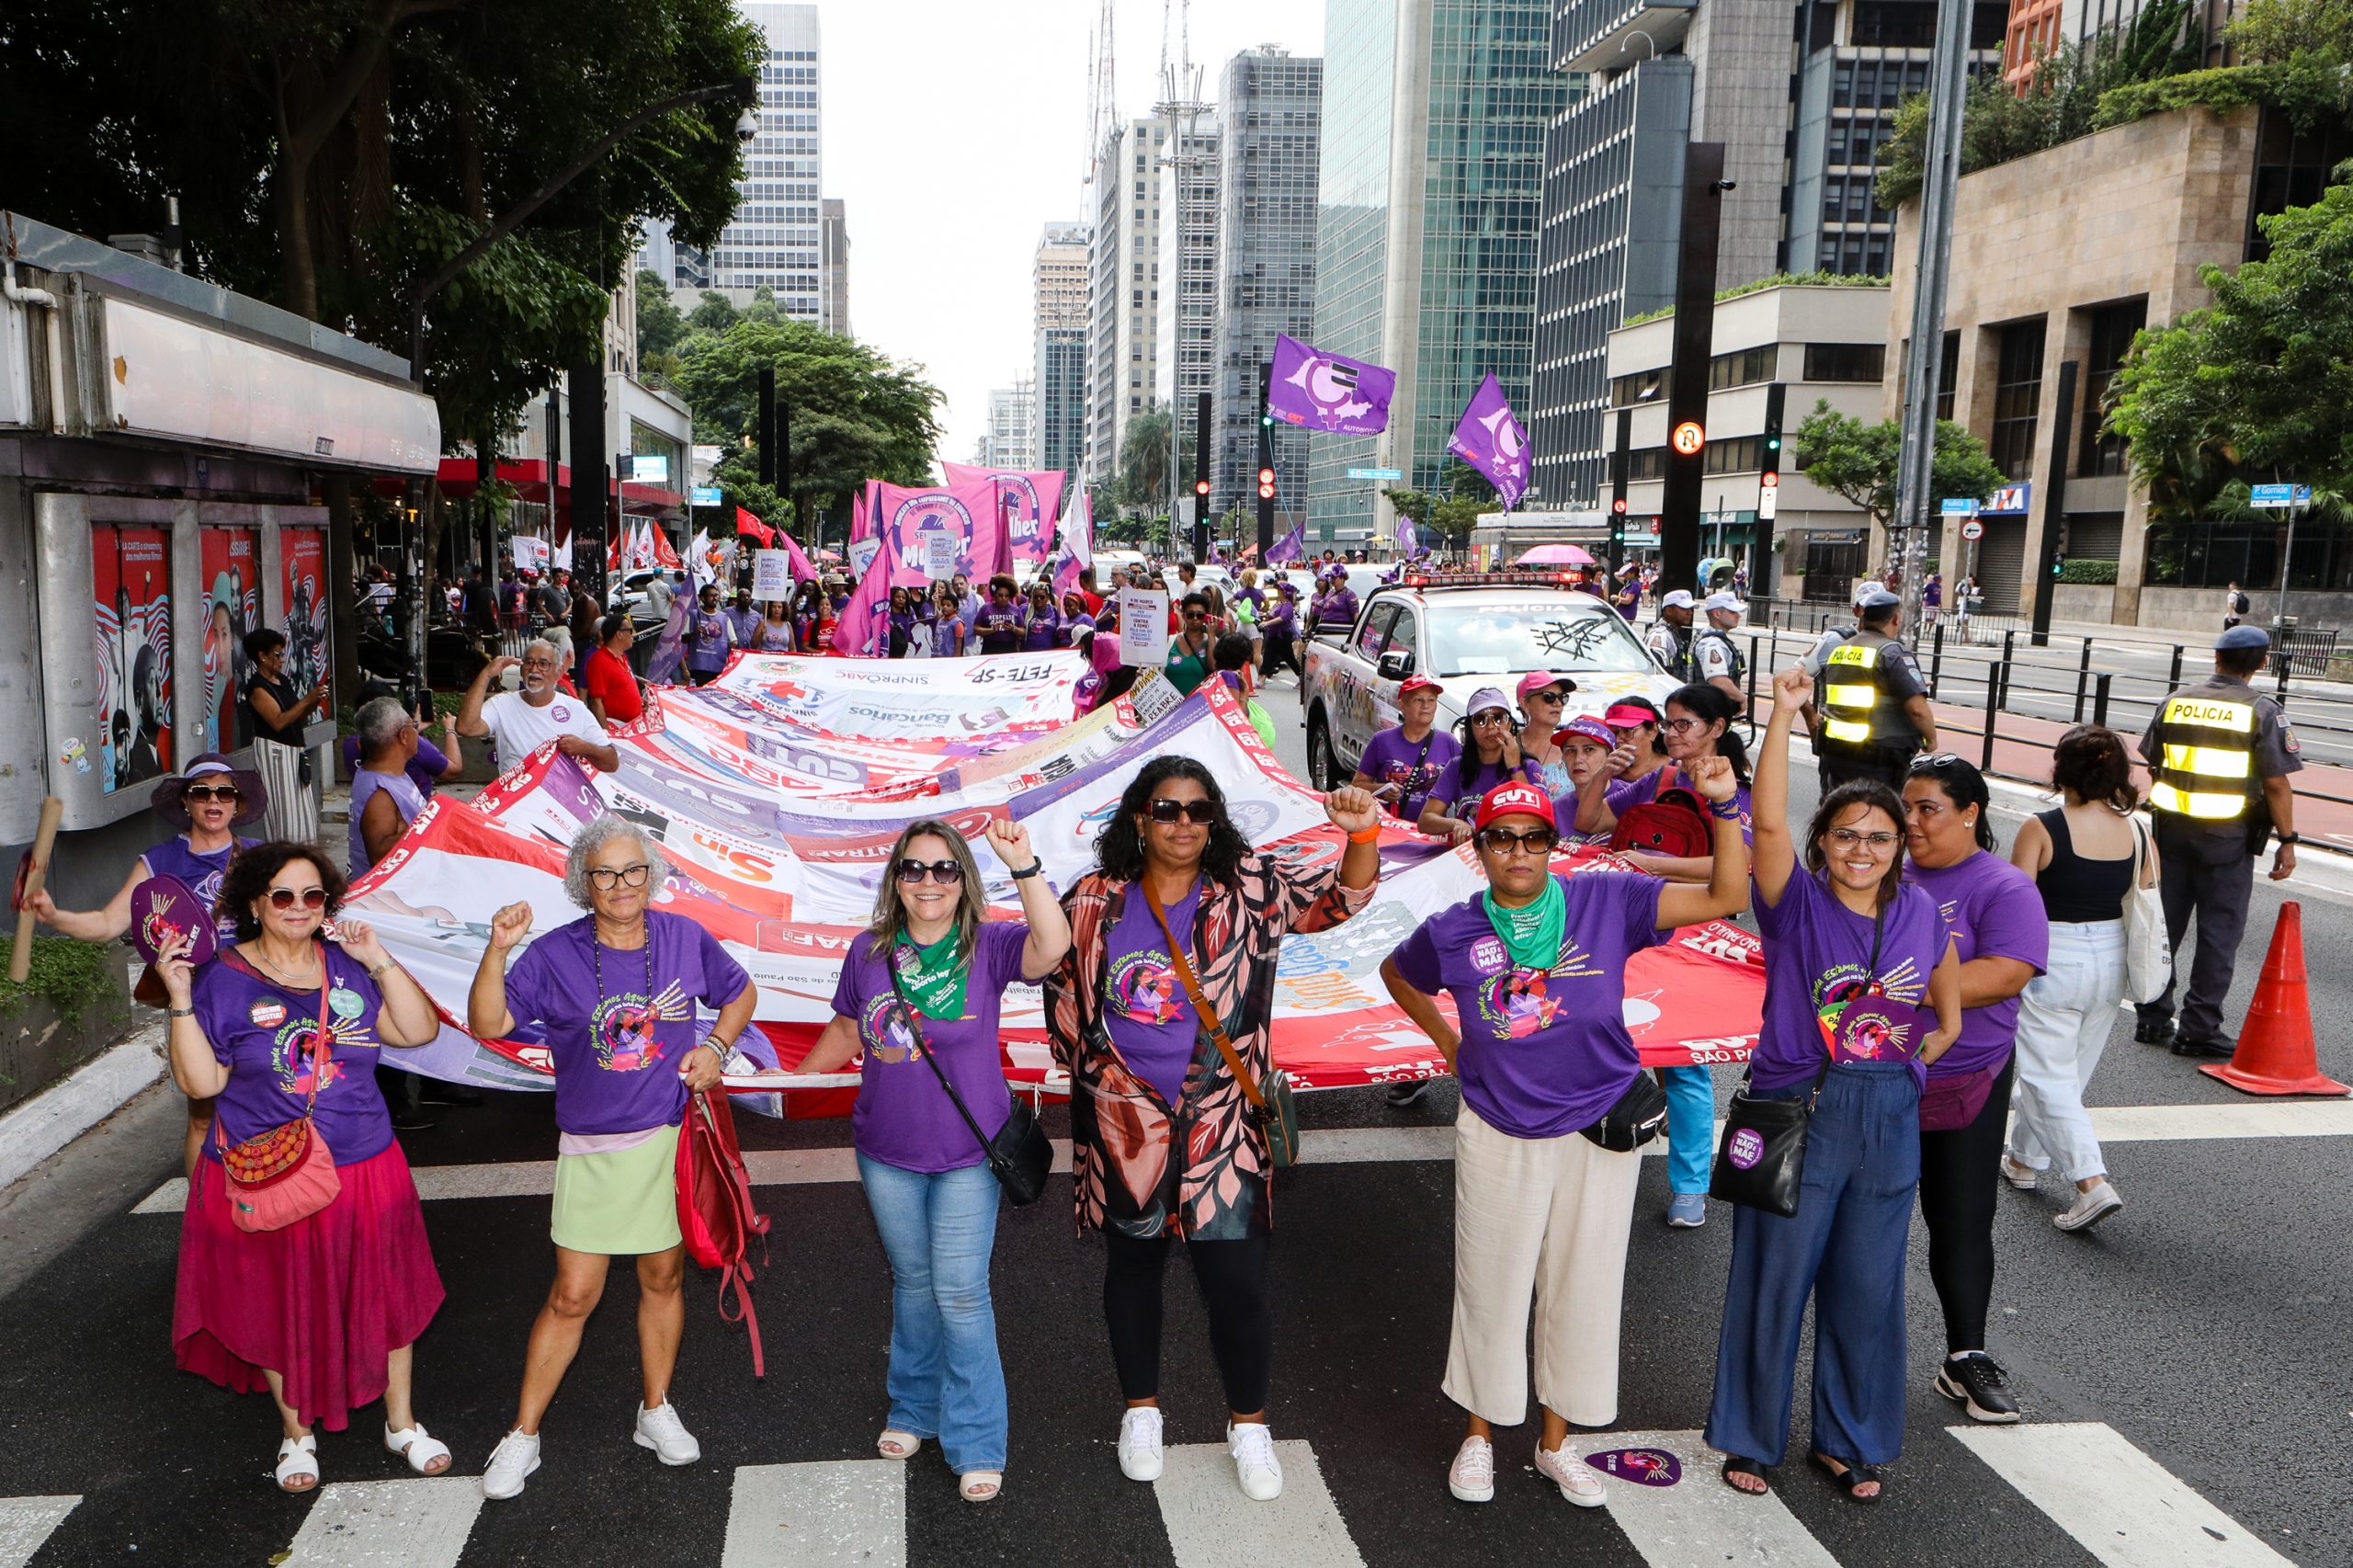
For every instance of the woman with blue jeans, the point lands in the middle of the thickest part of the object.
(925, 981)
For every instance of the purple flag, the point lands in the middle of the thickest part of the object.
(1328, 392)
(1408, 537)
(1490, 440)
(1290, 547)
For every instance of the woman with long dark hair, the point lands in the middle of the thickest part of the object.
(1856, 962)
(1490, 756)
(1164, 1142)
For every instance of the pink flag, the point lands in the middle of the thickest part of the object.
(863, 629)
(902, 518)
(1077, 552)
(801, 571)
(1027, 501)
(861, 510)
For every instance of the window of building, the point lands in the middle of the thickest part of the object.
(2018, 397)
(1741, 368)
(2214, 554)
(1642, 386)
(1740, 454)
(1846, 361)
(2111, 338)
(1645, 462)
(1948, 375)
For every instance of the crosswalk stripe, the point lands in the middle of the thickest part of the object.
(26, 1523)
(1699, 1522)
(388, 1524)
(832, 1514)
(2120, 1505)
(1211, 1525)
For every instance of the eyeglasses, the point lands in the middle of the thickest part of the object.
(539, 664)
(285, 898)
(1197, 615)
(1877, 842)
(1502, 841)
(946, 873)
(1677, 726)
(199, 793)
(612, 877)
(1199, 812)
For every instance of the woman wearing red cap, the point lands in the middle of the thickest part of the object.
(1536, 968)
(1400, 764)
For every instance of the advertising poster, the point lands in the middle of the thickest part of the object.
(231, 579)
(303, 554)
(130, 571)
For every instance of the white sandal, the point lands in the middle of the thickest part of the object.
(980, 1485)
(896, 1445)
(412, 1444)
(298, 1461)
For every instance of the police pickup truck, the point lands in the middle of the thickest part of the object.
(1467, 629)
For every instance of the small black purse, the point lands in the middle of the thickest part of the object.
(1021, 1156)
(1639, 1115)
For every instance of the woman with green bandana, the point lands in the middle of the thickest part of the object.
(926, 980)
(1544, 1155)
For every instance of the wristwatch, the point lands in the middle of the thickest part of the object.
(1031, 869)
(182, 1011)
(2289, 839)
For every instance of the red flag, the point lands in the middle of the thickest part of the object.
(747, 524)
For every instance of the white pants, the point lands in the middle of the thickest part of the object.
(293, 810)
(1550, 1216)
(2064, 1018)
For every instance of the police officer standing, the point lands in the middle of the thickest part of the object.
(1715, 657)
(2218, 755)
(1873, 708)
(1670, 636)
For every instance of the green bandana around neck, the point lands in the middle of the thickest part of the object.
(1531, 933)
(935, 981)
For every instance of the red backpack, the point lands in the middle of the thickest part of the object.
(716, 1213)
(1671, 825)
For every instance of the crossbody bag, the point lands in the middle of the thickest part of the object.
(1019, 1157)
(288, 1173)
(1272, 1106)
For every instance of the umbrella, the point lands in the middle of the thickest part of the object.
(830, 557)
(1555, 555)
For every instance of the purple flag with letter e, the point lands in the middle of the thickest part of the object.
(1290, 547)
(1328, 392)
(1490, 440)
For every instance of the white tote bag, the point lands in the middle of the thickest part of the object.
(2148, 950)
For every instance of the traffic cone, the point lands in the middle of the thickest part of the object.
(2275, 1055)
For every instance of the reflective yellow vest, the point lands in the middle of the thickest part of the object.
(1850, 691)
(2205, 765)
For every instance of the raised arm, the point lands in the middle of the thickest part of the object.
(1049, 926)
(91, 924)
(477, 692)
(486, 1012)
(198, 1073)
(1776, 853)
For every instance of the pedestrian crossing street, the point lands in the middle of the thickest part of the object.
(2123, 1507)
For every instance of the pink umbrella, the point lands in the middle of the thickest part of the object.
(1555, 555)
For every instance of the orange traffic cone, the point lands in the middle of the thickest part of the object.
(2275, 1055)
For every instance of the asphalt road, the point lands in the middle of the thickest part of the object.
(2206, 1327)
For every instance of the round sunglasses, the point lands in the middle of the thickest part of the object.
(285, 898)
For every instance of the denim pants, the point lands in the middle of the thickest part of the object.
(1690, 1126)
(946, 1380)
(2064, 1018)
(1844, 1247)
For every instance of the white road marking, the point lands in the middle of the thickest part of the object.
(26, 1523)
(2120, 1505)
(828, 1515)
(1700, 1522)
(388, 1524)
(1211, 1525)
(2237, 1119)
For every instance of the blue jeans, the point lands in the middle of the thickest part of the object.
(1690, 1126)
(946, 1380)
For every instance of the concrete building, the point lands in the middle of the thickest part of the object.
(2036, 27)
(1187, 330)
(833, 249)
(1270, 107)
(1012, 438)
(1427, 187)
(1059, 282)
(1123, 290)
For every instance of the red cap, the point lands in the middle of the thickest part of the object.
(1412, 684)
(1623, 716)
(1517, 798)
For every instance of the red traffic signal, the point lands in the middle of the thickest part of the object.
(1619, 505)
(1769, 480)
(1201, 487)
(1265, 484)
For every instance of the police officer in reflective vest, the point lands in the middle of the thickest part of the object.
(1670, 638)
(1873, 714)
(2218, 755)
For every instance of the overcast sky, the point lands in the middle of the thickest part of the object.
(955, 129)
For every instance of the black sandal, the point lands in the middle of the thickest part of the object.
(1847, 1479)
(1735, 1465)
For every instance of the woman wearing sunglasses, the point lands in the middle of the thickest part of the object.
(2004, 942)
(1490, 756)
(616, 994)
(323, 1311)
(1862, 992)
(1188, 662)
(1543, 697)
(1164, 1143)
(918, 998)
(1536, 968)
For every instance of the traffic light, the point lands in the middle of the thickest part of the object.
(1201, 487)
(1618, 504)
(2058, 567)
(1265, 484)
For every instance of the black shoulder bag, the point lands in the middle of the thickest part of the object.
(1761, 1162)
(1019, 1157)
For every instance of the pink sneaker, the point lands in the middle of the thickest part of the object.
(1576, 1479)
(1472, 1477)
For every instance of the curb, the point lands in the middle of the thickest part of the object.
(82, 1098)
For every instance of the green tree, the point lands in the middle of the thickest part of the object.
(1142, 479)
(714, 313)
(2271, 32)
(1857, 461)
(661, 325)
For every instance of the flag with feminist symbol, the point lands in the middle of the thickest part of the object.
(1330, 393)
(1491, 440)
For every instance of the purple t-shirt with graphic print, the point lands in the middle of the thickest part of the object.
(903, 1117)
(1817, 953)
(202, 873)
(1390, 758)
(1151, 1015)
(1995, 912)
(1455, 799)
(616, 1050)
(1541, 1054)
(263, 1033)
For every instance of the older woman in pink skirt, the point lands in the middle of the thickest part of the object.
(323, 1311)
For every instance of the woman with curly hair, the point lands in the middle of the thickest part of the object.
(1182, 907)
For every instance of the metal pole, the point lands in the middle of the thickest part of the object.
(2280, 614)
(2009, 660)
(1686, 398)
(2100, 698)
(2173, 676)
(2082, 679)
(2054, 504)
(1995, 677)
(1935, 660)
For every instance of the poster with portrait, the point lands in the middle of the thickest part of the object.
(130, 572)
(231, 581)
(303, 552)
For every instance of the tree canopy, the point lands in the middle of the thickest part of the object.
(1857, 463)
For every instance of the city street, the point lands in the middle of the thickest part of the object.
(2193, 1347)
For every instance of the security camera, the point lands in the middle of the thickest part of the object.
(747, 125)
(1725, 185)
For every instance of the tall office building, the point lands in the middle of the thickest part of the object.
(1123, 290)
(1012, 438)
(1059, 315)
(833, 250)
(1271, 109)
(1426, 245)
(1185, 332)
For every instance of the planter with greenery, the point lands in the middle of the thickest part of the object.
(74, 1002)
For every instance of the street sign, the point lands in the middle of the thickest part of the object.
(1973, 530)
(1768, 502)
(649, 470)
(1959, 507)
(704, 495)
(2278, 497)
(1376, 473)
(1688, 438)
(2011, 500)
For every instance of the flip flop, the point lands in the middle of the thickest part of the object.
(298, 1464)
(1847, 1479)
(1735, 1465)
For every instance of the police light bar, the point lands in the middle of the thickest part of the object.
(1572, 577)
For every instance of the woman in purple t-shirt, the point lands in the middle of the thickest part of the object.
(322, 1311)
(1536, 966)
(1401, 765)
(1490, 756)
(1855, 959)
(616, 994)
(918, 999)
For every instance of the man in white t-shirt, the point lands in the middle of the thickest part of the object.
(519, 723)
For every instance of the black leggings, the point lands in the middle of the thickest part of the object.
(1959, 1177)
(1233, 1280)
(1281, 651)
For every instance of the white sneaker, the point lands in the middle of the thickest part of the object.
(2019, 1173)
(1140, 1443)
(1576, 1479)
(511, 1464)
(1472, 1477)
(661, 1430)
(1255, 1465)
(2090, 1208)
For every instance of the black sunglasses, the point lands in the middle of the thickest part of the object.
(1200, 812)
(200, 792)
(946, 873)
(1502, 841)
